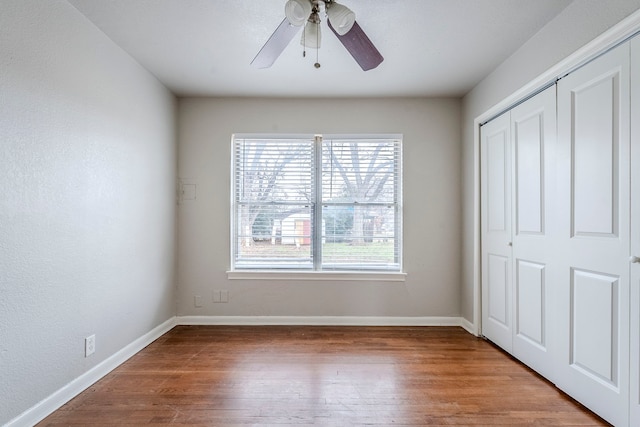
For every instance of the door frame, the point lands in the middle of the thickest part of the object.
(617, 34)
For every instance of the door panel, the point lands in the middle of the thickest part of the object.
(592, 248)
(594, 349)
(533, 135)
(499, 309)
(529, 170)
(497, 176)
(531, 302)
(495, 156)
(594, 145)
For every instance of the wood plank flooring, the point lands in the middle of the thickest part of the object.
(322, 376)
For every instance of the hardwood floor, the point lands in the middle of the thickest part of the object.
(326, 376)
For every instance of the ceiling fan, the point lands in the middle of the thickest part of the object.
(342, 22)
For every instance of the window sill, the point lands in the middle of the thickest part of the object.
(373, 276)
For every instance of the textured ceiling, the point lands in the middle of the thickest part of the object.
(431, 47)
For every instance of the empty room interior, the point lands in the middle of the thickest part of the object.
(319, 212)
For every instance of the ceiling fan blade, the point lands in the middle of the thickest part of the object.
(275, 45)
(360, 47)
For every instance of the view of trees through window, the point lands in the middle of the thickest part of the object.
(317, 203)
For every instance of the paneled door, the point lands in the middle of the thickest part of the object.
(635, 234)
(592, 208)
(533, 136)
(495, 182)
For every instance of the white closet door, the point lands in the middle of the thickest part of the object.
(533, 136)
(593, 245)
(635, 234)
(495, 181)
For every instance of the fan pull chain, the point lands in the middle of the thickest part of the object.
(317, 64)
(304, 41)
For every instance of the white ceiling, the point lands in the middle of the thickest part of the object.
(431, 47)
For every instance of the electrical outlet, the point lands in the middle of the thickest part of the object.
(89, 345)
(197, 301)
(220, 295)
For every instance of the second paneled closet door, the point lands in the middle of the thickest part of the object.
(517, 154)
(533, 135)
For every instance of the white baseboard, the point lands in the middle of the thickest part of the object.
(321, 320)
(47, 406)
(468, 326)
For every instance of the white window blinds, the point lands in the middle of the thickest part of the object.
(316, 204)
(360, 209)
(274, 192)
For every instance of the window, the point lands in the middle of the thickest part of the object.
(316, 203)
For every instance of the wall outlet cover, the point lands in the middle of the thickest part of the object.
(89, 345)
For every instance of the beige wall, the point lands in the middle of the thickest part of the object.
(431, 129)
(87, 212)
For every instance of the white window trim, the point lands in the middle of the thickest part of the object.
(319, 275)
(308, 275)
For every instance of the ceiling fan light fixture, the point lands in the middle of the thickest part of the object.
(312, 36)
(341, 17)
(297, 11)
